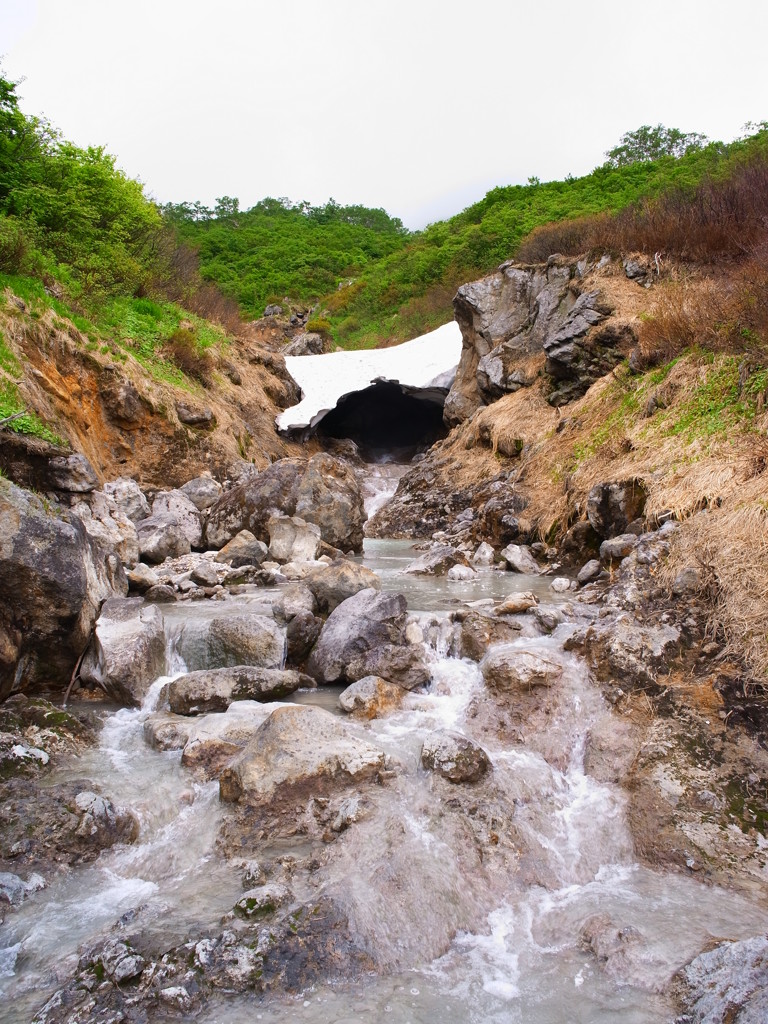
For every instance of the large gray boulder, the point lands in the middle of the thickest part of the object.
(519, 559)
(72, 473)
(128, 497)
(336, 582)
(363, 622)
(298, 751)
(199, 693)
(53, 578)
(177, 506)
(404, 665)
(228, 641)
(243, 549)
(161, 537)
(203, 492)
(127, 652)
(323, 491)
(329, 495)
(109, 525)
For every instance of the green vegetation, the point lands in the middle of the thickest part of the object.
(391, 285)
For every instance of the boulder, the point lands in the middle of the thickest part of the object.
(616, 548)
(305, 344)
(127, 652)
(519, 559)
(362, 622)
(336, 582)
(292, 539)
(110, 526)
(54, 578)
(625, 652)
(323, 491)
(404, 665)
(198, 693)
(454, 757)
(195, 415)
(232, 640)
(297, 597)
(72, 473)
(461, 574)
(727, 983)
(176, 505)
(300, 750)
(161, 537)
(478, 632)
(160, 593)
(589, 572)
(203, 492)
(128, 497)
(437, 561)
(511, 668)
(560, 585)
(329, 495)
(302, 634)
(243, 549)
(370, 697)
(208, 742)
(204, 574)
(484, 555)
(515, 604)
(611, 507)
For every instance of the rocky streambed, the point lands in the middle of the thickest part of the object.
(407, 784)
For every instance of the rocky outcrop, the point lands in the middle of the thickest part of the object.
(518, 313)
(54, 578)
(323, 491)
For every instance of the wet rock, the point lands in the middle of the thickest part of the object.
(515, 604)
(129, 498)
(243, 549)
(626, 651)
(64, 824)
(549, 617)
(127, 652)
(263, 900)
(160, 593)
(611, 507)
(519, 559)
(232, 640)
(616, 548)
(371, 697)
(198, 693)
(404, 665)
(298, 750)
(484, 555)
(437, 561)
(727, 983)
(461, 574)
(510, 668)
(589, 572)
(54, 578)
(120, 961)
(203, 492)
(177, 507)
(361, 623)
(297, 597)
(161, 537)
(455, 757)
(560, 584)
(302, 633)
(333, 584)
(72, 473)
(291, 539)
(479, 631)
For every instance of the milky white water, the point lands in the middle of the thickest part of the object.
(324, 379)
(467, 931)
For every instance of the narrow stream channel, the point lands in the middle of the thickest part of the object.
(410, 873)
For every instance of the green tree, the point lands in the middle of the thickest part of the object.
(647, 143)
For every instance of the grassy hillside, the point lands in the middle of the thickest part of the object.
(392, 285)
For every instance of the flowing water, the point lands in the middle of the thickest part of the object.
(476, 904)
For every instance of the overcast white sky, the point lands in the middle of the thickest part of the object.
(419, 106)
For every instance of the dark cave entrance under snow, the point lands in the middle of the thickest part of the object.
(387, 417)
